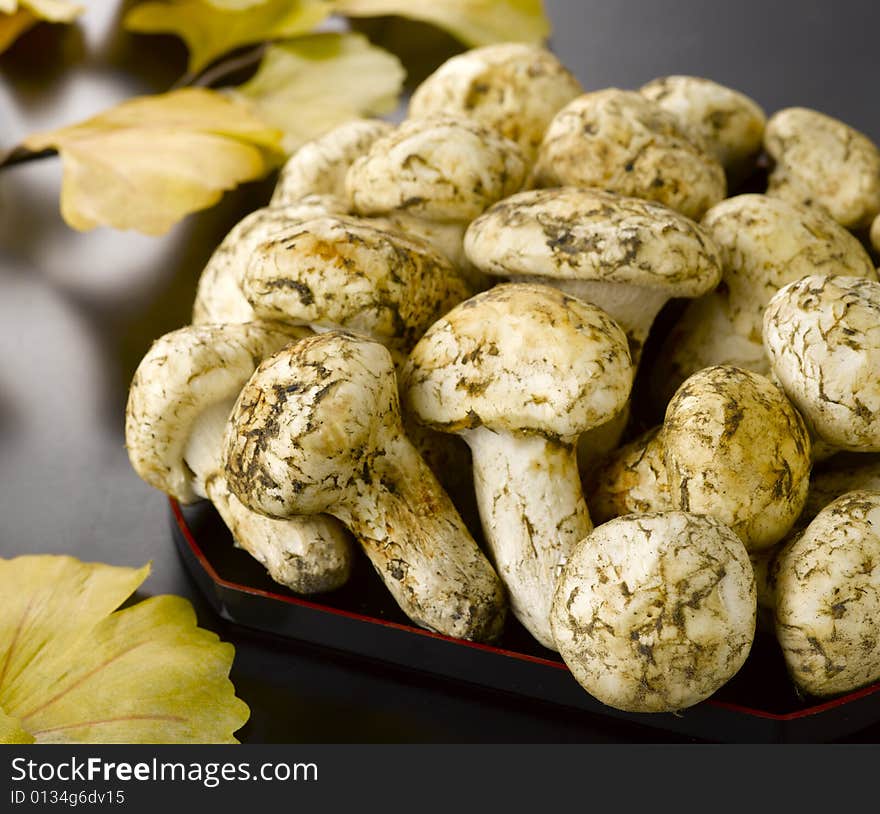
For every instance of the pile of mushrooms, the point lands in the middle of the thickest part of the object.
(439, 347)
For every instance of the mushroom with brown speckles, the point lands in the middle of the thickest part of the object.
(823, 162)
(620, 141)
(828, 597)
(764, 244)
(178, 405)
(317, 430)
(731, 446)
(822, 336)
(847, 472)
(519, 372)
(512, 88)
(655, 612)
(726, 122)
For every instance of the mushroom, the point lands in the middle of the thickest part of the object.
(875, 234)
(620, 141)
(731, 446)
(436, 170)
(822, 336)
(728, 124)
(178, 406)
(655, 612)
(514, 89)
(319, 167)
(347, 273)
(847, 472)
(626, 255)
(828, 598)
(519, 372)
(317, 430)
(764, 244)
(822, 161)
(219, 297)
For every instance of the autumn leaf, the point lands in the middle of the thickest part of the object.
(150, 161)
(312, 84)
(474, 22)
(211, 28)
(17, 16)
(74, 669)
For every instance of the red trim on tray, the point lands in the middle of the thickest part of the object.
(293, 600)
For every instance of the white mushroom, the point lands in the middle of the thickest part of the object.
(347, 273)
(847, 472)
(764, 244)
(219, 297)
(822, 161)
(728, 124)
(178, 406)
(822, 336)
(731, 446)
(655, 612)
(514, 89)
(519, 372)
(317, 429)
(440, 170)
(828, 598)
(620, 141)
(319, 167)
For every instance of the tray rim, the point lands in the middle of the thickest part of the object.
(196, 550)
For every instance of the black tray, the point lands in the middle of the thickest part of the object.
(759, 705)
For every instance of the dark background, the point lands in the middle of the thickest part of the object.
(77, 312)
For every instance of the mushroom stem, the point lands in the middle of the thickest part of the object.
(308, 555)
(533, 513)
(421, 548)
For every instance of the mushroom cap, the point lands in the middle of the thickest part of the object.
(820, 160)
(589, 234)
(513, 88)
(654, 612)
(183, 374)
(846, 472)
(768, 242)
(219, 297)
(307, 420)
(619, 140)
(520, 357)
(440, 168)
(340, 272)
(319, 167)
(822, 335)
(828, 597)
(724, 121)
(735, 448)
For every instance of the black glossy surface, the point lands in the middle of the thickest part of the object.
(77, 312)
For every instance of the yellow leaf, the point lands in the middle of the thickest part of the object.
(474, 22)
(211, 28)
(17, 16)
(73, 669)
(312, 84)
(148, 162)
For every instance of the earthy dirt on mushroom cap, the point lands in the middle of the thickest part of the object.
(727, 123)
(822, 335)
(440, 168)
(181, 374)
(822, 161)
(513, 88)
(828, 597)
(520, 357)
(621, 141)
(320, 166)
(735, 448)
(655, 612)
(219, 297)
(347, 273)
(574, 233)
(303, 425)
(767, 243)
